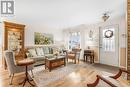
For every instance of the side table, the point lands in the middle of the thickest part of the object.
(89, 53)
(26, 63)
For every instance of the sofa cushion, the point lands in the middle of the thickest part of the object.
(32, 52)
(46, 50)
(50, 50)
(38, 58)
(39, 51)
(49, 55)
(29, 55)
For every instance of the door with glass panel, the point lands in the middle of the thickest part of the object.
(109, 47)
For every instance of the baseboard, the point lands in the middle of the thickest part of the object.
(96, 61)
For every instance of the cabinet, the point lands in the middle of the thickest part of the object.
(14, 38)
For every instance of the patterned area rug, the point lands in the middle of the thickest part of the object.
(43, 77)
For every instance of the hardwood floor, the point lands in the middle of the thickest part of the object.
(83, 76)
(75, 79)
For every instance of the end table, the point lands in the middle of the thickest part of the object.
(26, 63)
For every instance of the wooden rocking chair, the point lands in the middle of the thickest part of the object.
(110, 83)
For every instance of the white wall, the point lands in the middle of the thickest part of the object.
(31, 28)
(84, 29)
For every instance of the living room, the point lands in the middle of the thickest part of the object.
(65, 43)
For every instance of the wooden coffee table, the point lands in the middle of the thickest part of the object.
(55, 62)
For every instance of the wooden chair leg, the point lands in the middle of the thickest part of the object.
(67, 59)
(78, 60)
(75, 60)
(87, 57)
(11, 79)
(93, 59)
(84, 58)
(32, 74)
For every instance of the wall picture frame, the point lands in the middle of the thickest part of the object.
(43, 38)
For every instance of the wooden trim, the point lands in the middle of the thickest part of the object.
(128, 38)
(122, 57)
(10, 24)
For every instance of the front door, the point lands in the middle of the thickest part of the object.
(108, 45)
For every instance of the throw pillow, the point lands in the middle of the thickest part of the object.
(46, 50)
(32, 52)
(29, 55)
(39, 51)
(50, 50)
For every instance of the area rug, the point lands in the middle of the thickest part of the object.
(55, 78)
(43, 77)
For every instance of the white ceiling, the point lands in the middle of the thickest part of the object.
(65, 13)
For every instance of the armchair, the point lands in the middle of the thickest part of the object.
(12, 67)
(74, 55)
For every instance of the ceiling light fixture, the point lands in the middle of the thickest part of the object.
(105, 16)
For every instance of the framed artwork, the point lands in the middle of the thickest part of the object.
(43, 38)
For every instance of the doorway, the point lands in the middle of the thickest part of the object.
(109, 45)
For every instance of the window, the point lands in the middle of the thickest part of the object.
(74, 40)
